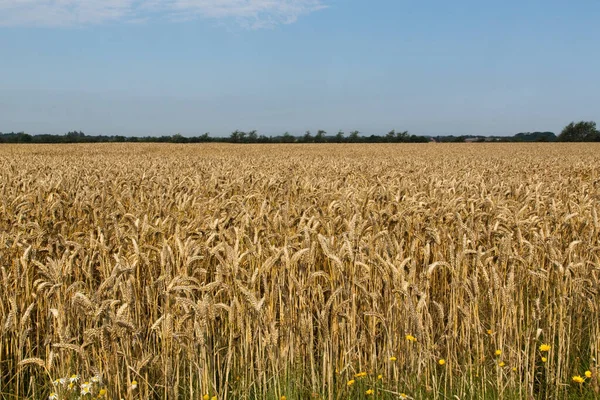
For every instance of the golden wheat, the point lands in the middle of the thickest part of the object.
(289, 271)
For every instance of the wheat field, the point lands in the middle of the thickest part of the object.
(430, 271)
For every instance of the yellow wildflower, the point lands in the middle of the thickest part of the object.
(411, 338)
(498, 352)
(501, 364)
(442, 361)
(403, 396)
(392, 358)
(134, 385)
(578, 379)
(213, 398)
(544, 359)
(489, 332)
(369, 392)
(283, 398)
(351, 382)
(206, 397)
(379, 377)
(102, 392)
(588, 374)
(360, 375)
(514, 369)
(544, 348)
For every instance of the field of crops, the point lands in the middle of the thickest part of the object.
(300, 271)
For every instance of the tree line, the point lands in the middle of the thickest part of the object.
(236, 136)
(583, 131)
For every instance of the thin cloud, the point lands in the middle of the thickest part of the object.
(248, 13)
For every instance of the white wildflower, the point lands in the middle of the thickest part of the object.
(85, 388)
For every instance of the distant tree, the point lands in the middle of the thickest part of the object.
(23, 137)
(320, 137)
(178, 138)
(580, 132)
(339, 137)
(307, 138)
(534, 137)
(287, 138)
(252, 136)
(391, 136)
(353, 136)
(402, 136)
(74, 137)
(235, 136)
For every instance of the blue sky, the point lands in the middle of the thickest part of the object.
(151, 67)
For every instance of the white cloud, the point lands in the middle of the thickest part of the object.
(249, 13)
